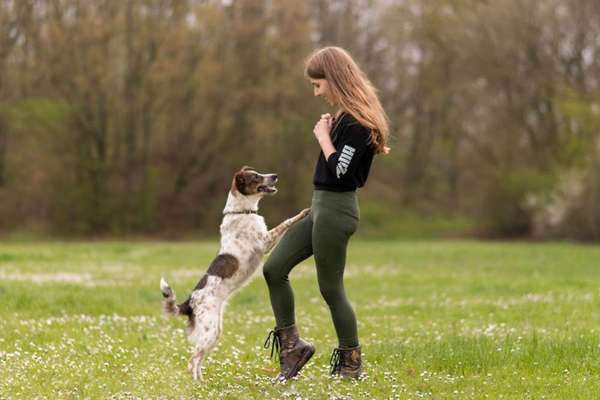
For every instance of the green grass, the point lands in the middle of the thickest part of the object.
(437, 320)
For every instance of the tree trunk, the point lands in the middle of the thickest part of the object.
(3, 148)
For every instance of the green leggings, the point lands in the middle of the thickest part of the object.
(325, 233)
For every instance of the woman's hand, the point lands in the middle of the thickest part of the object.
(322, 128)
(321, 131)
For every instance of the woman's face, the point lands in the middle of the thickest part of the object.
(321, 89)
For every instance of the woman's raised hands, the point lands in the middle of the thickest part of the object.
(323, 127)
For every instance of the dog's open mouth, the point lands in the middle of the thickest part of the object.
(268, 188)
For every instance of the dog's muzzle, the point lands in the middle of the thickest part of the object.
(268, 186)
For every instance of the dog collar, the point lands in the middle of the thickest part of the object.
(241, 212)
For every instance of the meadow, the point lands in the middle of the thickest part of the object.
(437, 320)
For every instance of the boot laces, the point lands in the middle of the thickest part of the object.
(273, 341)
(336, 361)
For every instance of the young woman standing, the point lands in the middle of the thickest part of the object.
(348, 143)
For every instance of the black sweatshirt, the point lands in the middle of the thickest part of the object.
(347, 168)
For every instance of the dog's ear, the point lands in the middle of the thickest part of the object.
(238, 182)
(239, 179)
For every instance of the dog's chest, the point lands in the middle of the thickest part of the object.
(244, 237)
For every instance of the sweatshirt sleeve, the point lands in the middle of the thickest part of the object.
(351, 146)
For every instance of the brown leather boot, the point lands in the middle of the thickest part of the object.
(346, 362)
(293, 351)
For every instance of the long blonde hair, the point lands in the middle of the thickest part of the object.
(352, 91)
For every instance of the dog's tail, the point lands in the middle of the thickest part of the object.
(172, 309)
(169, 306)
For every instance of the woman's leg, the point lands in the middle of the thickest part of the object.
(331, 232)
(294, 247)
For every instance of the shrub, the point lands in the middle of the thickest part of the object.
(572, 209)
(504, 209)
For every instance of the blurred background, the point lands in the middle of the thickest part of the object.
(129, 117)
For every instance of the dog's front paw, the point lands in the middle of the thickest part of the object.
(304, 213)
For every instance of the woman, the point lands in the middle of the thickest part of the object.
(348, 143)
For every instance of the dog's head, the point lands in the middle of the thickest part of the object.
(248, 182)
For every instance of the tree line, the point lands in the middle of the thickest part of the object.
(131, 116)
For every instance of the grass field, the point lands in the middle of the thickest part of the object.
(437, 320)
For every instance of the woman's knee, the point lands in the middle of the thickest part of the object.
(331, 294)
(272, 272)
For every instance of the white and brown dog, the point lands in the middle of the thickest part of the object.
(244, 241)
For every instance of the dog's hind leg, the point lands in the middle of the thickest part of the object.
(206, 333)
(195, 365)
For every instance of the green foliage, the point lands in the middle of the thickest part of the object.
(580, 211)
(128, 117)
(584, 222)
(383, 221)
(580, 132)
(572, 208)
(504, 206)
(32, 114)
